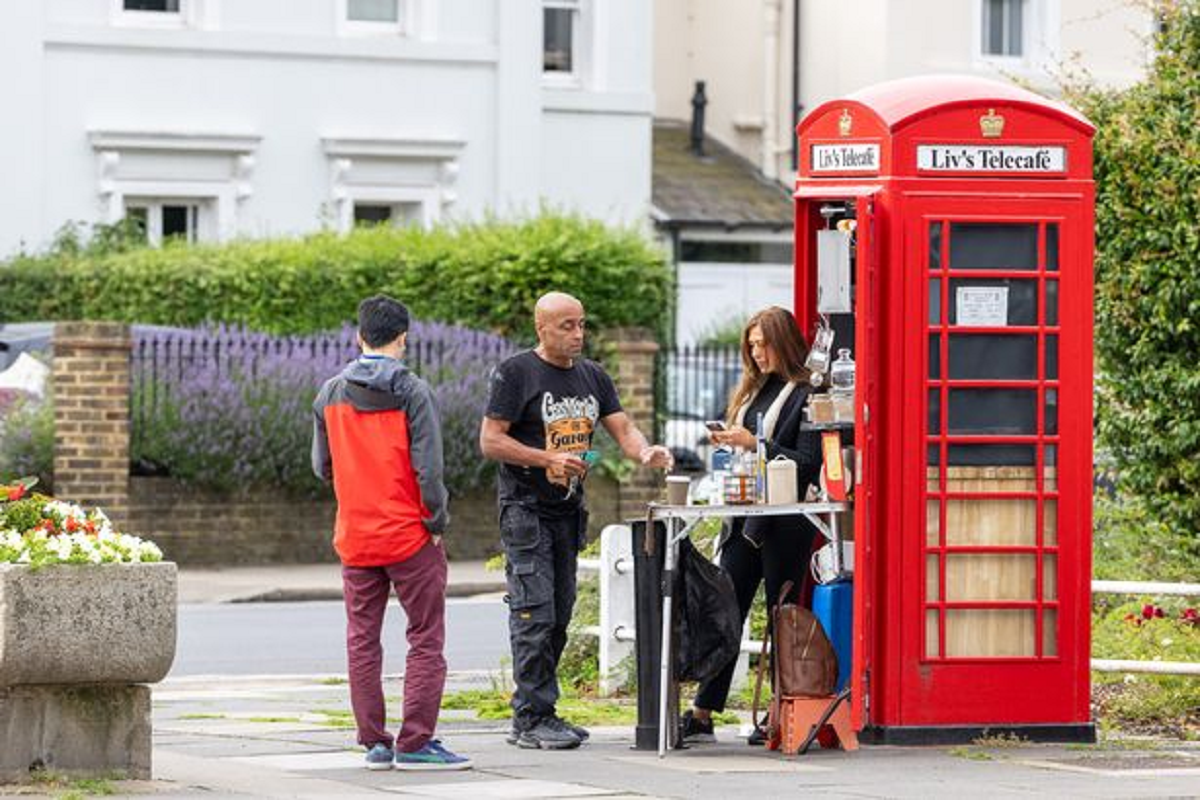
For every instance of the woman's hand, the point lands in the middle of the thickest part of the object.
(736, 436)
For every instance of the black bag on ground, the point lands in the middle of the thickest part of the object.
(710, 626)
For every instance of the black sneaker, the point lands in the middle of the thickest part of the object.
(579, 731)
(757, 737)
(693, 730)
(548, 733)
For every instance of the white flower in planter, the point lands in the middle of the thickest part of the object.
(40, 531)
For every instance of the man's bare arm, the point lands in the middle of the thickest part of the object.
(496, 443)
(633, 444)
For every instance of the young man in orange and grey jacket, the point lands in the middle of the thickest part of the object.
(376, 435)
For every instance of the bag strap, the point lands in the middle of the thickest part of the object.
(758, 678)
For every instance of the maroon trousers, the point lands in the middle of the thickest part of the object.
(420, 584)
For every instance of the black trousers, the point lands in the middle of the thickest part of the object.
(541, 554)
(783, 557)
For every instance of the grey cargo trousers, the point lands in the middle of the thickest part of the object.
(541, 553)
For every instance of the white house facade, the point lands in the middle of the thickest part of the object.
(216, 119)
(766, 62)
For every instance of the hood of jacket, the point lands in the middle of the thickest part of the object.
(368, 377)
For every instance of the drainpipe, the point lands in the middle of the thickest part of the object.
(696, 137)
(771, 15)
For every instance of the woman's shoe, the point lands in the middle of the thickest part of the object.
(693, 730)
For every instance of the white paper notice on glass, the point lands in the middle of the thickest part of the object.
(982, 306)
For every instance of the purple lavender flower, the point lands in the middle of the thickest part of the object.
(228, 408)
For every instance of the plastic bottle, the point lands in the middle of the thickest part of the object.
(721, 463)
(760, 463)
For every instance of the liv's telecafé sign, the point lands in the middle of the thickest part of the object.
(845, 157)
(1043, 159)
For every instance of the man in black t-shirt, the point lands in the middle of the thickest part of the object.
(542, 411)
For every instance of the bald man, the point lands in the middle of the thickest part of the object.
(543, 408)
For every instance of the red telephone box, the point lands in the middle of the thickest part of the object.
(963, 284)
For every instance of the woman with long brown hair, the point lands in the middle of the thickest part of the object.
(776, 550)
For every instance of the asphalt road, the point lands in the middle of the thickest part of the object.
(309, 638)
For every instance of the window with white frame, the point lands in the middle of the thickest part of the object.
(153, 6)
(1004, 28)
(157, 13)
(390, 181)
(563, 40)
(185, 185)
(166, 219)
(397, 215)
(373, 17)
(373, 11)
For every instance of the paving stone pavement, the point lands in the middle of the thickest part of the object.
(287, 737)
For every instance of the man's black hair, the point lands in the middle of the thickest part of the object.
(381, 320)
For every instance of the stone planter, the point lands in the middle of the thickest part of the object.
(77, 646)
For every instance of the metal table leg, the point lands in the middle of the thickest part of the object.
(670, 564)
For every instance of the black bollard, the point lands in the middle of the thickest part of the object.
(648, 595)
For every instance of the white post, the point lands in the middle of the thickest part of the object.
(617, 615)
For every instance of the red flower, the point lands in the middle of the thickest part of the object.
(1190, 616)
(15, 493)
(71, 525)
(1132, 619)
(1148, 611)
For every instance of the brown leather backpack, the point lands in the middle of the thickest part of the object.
(803, 659)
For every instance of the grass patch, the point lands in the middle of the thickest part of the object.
(333, 681)
(1118, 744)
(1002, 740)
(272, 719)
(65, 788)
(201, 716)
(339, 718)
(594, 711)
(970, 753)
(486, 703)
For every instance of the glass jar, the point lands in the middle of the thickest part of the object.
(841, 374)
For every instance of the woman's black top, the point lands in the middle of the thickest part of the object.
(803, 447)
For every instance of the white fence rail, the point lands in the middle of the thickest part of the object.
(616, 630)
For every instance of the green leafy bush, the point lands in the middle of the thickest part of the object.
(1147, 168)
(1131, 543)
(483, 275)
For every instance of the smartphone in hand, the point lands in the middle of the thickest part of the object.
(715, 425)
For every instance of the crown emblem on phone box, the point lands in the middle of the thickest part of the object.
(991, 124)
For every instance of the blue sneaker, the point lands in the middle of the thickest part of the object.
(380, 756)
(431, 756)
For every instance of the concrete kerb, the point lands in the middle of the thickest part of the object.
(308, 582)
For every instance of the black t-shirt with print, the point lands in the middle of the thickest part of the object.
(550, 408)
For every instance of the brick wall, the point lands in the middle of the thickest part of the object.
(635, 352)
(197, 528)
(91, 415)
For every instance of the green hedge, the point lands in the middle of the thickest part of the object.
(485, 275)
(1147, 171)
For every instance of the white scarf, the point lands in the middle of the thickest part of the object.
(773, 412)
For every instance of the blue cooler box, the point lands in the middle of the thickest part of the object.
(833, 605)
